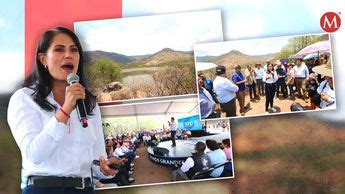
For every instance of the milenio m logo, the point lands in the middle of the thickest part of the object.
(330, 21)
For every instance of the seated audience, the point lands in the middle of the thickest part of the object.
(216, 155)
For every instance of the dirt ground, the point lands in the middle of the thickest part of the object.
(257, 106)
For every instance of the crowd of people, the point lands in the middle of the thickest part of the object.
(120, 148)
(311, 80)
(203, 161)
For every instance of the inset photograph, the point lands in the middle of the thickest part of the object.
(145, 57)
(265, 76)
(164, 142)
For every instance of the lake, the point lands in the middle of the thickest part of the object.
(135, 76)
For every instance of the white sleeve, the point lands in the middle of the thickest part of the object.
(264, 77)
(189, 163)
(99, 146)
(119, 152)
(275, 76)
(230, 86)
(36, 140)
(306, 71)
(321, 86)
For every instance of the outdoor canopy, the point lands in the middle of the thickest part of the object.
(321, 47)
(186, 106)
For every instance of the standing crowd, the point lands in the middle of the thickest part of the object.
(311, 79)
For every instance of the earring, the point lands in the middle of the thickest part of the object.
(45, 66)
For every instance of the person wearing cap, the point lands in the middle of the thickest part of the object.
(290, 80)
(250, 77)
(226, 92)
(281, 80)
(270, 77)
(239, 79)
(206, 103)
(301, 73)
(312, 85)
(259, 75)
(326, 88)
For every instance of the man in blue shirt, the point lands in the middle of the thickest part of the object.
(239, 79)
(226, 92)
(281, 86)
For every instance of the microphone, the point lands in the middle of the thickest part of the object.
(80, 106)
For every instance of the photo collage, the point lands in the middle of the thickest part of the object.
(147, 95)
(168, 84)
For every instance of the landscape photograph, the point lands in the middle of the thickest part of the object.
(145, 57)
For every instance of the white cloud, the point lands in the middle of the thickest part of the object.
(243, 27)
(12, 73)
(144, 35)
(249, 47)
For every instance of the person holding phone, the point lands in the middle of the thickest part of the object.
(57, 151)
(270, 77)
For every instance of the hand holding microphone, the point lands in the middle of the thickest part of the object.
(74, 98)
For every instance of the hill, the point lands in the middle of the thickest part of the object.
(233, 57)
(92, 56)
(164, 57)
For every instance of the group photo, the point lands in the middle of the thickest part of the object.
(265, 76)
(160, 142)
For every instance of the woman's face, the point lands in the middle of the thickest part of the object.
(270, 67)
(62, 57)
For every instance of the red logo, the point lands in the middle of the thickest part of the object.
(330, 22)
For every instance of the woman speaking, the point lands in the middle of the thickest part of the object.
(57, 151)
(270, 78)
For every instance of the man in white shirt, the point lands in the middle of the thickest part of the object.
(226, 92)
(259, 71)
(301, 74)
(173, 128)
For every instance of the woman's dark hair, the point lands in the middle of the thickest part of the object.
(40, 79)
(212, 144)
(226, 142)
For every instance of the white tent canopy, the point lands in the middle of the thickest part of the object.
(187, 106)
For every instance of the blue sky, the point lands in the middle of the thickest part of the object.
(11, 44)
(12, 26)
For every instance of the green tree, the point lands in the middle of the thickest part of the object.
(103, 72)
(296, 44)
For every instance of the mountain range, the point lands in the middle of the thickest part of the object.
(234, 57)
(162, 57)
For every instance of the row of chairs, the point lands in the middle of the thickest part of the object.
(206, 173)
